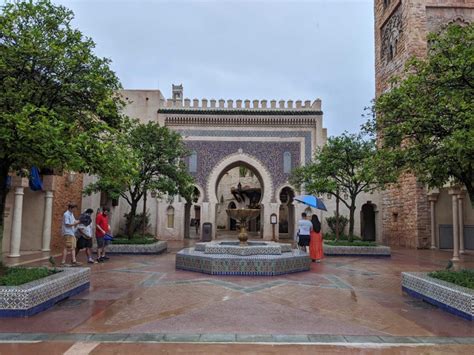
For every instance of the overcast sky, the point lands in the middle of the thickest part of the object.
(241, 49)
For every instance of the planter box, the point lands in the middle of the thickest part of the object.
(454, 299)
(155, 248)
(36, 296)
(379, 250)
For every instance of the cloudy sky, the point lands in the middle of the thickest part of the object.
(241, 49)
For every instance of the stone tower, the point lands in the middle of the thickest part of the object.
(401, 27)
(178, 93)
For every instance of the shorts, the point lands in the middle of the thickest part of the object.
(304, 241)
(100, 242)
(84, 243)
(69, 241)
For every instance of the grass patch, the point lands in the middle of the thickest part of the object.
(464, 278)
(346, 243)
(137, 239)
(14, 276)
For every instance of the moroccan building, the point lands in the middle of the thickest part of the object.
(265, 139)
(412, 216)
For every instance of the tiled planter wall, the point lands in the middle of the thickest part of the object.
(36, 296)
(331, 250)
(451, 298)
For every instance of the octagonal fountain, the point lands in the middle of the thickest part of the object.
(243, 257)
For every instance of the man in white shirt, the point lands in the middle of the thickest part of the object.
(304, 230)
(68, 230)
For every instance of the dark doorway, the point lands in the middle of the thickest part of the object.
(232, 222)
(368, 222)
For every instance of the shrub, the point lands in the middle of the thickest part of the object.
(136, 239)
(354, 243)
(343, 221)
(14, 276)
(464, 278)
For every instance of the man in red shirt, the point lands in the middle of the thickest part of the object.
(102, 227)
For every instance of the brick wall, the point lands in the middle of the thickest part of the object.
(405, 23)
(64, 194)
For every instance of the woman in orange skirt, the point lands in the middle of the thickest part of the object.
(316, 241)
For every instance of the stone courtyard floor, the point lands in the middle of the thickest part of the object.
(141, 304)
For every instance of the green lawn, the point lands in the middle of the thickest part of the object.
(463, 278)
(14, 276)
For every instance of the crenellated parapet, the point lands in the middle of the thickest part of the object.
(240, 105)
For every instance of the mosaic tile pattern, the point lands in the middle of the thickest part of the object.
(255, 265)
(155, 248)
(254, 248)
(35, 293)
(210, 153)
(356, 251)
(452, 298)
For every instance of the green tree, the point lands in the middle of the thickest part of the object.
(426, 121)
(57, 99)
(155, 163)
(342, 166)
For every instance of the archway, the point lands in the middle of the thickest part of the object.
(286, 220)
(368, 230)
(238, 187)
(261, 174)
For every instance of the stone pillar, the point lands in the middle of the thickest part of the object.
(49, 182)
(454, 194)
(19, 184)
(433, 197)
(461, 222)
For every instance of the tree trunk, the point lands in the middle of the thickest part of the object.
(351, 220)
(131, 219)
(144, 214)
(337, 216)
(4, 169)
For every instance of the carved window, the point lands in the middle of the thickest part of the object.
(386, 3)
(390, 36)
(170, 215)
(287, 162)
(193, 162)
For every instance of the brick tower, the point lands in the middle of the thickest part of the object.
(401, 27)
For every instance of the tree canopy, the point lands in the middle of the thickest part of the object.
(342, 166)
(154, 163)
(58, 100)
(425, 123)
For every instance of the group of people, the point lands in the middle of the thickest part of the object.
(309, 235)
(78, 234)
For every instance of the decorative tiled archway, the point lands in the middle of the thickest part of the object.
(234, 160)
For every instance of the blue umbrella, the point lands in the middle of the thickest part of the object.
(311, 201)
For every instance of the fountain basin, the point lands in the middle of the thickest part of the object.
(236, 248)
(231, 258)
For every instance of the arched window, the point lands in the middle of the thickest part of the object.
(287, 162)
(170, 214)
(193, 162)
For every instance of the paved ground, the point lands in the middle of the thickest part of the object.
(345, 304)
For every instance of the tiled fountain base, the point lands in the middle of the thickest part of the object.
(252, 260)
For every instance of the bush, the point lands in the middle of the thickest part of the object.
(136, 239)
(464, 278)
(137, 222)
(343, 221)
(354, 243)
(14, 276)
